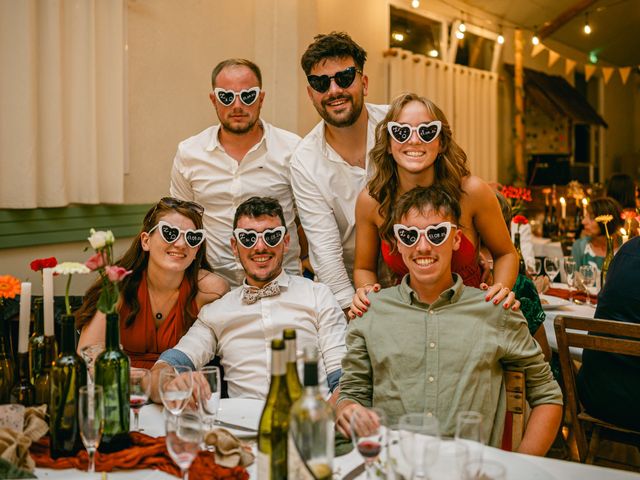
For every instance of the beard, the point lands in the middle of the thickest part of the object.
(239, 129)
(265, 277)
(343, 119)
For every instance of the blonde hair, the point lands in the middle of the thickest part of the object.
(450, 165)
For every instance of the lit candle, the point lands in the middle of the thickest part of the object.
(584, 207)
(25, 317)
(47, 294)
(563, 204)
(623, 234)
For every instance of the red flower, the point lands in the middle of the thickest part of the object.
(115, 273)
(96, 261)
(520, 220)
(40, 263)
(628, 215)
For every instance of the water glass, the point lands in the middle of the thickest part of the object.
(398, 466)
(570, 271)
(368, 432)
(489, 469)
(551, 267)
(209, 394)
(420, 441)
(588, 274)
(469, 432)
(91, 420)
(175, 387)
(184, 437)
(139, 389)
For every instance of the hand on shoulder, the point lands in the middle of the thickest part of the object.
(210, 287)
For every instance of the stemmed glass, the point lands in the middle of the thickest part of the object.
(570, 271)
(398, 466)
(175, 386)
(139, 389)
(469, 432)
(534, 266)
(551, 267)
(368, 432)
(209, 398)
(588, 274)
(420, 441)
(91, 420)
(89, 355)
(184, 437)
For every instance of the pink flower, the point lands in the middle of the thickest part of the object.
(116, 273)
(96, 261)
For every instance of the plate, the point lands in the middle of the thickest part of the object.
(553, 302)
(241, 411)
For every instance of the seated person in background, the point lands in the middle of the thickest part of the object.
(608, 384)
(433, 345)
(622, 188)
(170, 281)
(240, 326)
(592, 247)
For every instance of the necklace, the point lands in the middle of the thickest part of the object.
(159, 315)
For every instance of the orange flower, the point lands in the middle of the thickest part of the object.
(9, 286)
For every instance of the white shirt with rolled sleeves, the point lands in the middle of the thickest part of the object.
(204, 173)
(241, 334)
(326, 188)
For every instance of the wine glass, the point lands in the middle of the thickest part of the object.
(551, 267)
(534, 265)
(398, 466)
(420, 441)
(184, 437)
(368, 432)
(474, 470)
(91, 420)
(588, 274)
(209, 395)
(89, 355)
(570, 272)
(175, 386)
(469, 432)
(139, 389)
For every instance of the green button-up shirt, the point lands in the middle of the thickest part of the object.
(405, 356)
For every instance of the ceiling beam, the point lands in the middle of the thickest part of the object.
(564, 17)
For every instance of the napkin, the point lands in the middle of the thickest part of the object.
(145, 453)
(230, 451)
(564, 293)
(14, 444)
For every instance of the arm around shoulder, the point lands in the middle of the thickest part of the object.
(211, 287)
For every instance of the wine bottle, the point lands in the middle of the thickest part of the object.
(546, 222)
(553, 220)
(311, 428)
(23, 391)
(38, 368)
(293, 381)
(607, 260)
(7, 367)
(577, 219)
(522, 268)
(68, 374)
(274, 422)
(112, 373)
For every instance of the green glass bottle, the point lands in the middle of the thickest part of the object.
(293, 380)
(112, 373)
(23, 391)
(607, 260)
(68, 374)
(7, 367)
(522, 268)
(38, 369)
(274, 422)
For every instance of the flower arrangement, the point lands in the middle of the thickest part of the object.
(110, 274)
(520, 220)
(41, 263)
(9, 287)
(575, 190)
(516, 196)
(605, 219)
(69, 268)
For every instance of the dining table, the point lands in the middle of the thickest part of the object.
(245, 413)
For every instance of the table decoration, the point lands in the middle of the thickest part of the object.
(23, 391)
(9, 288)
(605, 219)
(14, 441)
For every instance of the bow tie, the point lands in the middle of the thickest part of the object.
(251, 295)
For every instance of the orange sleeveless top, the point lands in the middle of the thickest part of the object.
(464, 262)
(142, 341)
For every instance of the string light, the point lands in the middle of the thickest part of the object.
(397, 36)
(433, 53)
(459, 35)
(587, 28)
(462, 27)
(535, 40)
(415, 3)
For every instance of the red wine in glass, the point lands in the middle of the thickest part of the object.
(369, 449)
(137, 401)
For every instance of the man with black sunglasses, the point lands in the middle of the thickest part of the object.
(230, 162)
(240, 326)
(329, 167)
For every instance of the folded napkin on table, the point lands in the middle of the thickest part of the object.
(564, 293)
(230, 451)
(19, 427)
(146, 452)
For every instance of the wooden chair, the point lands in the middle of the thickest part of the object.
(515, 417)
(593, 334)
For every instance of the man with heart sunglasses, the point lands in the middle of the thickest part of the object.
(433, 345)
(230, 162)
(240, 326)
(329, 167)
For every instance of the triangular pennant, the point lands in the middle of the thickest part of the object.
(569, 65)
(589, 70)
(537, 49)
(606, 74)
(624, 74)
(553, 57)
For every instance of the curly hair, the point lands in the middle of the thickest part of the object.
(136, 260)
(332, 45)
(606, 206)
(450, 165)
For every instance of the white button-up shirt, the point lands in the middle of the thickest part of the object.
(326, 188)
(241, 334)
(204, 173)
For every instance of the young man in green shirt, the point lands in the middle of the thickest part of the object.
(434, 346)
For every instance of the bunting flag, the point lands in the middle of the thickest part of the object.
(569, 65)
(553, 58)
(624, 74)
(589, 70)
(537, 49)
(606, 74)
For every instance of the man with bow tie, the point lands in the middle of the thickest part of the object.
(240, 326)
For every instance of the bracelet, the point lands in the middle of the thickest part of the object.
(302, 259)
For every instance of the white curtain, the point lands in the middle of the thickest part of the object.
(62, 102)
(467, 96)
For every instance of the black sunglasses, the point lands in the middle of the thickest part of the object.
(344, 78)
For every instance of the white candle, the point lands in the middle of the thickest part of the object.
(563, 205)
(623, 234)
(25, 317)
(584, 207)
(47, 294)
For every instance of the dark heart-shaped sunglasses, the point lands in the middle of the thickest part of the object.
(343, 78)
(427, 132)
(435, 234)
(171, 233)
(227, 97)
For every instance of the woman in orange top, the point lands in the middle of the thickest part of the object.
(171, 280)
